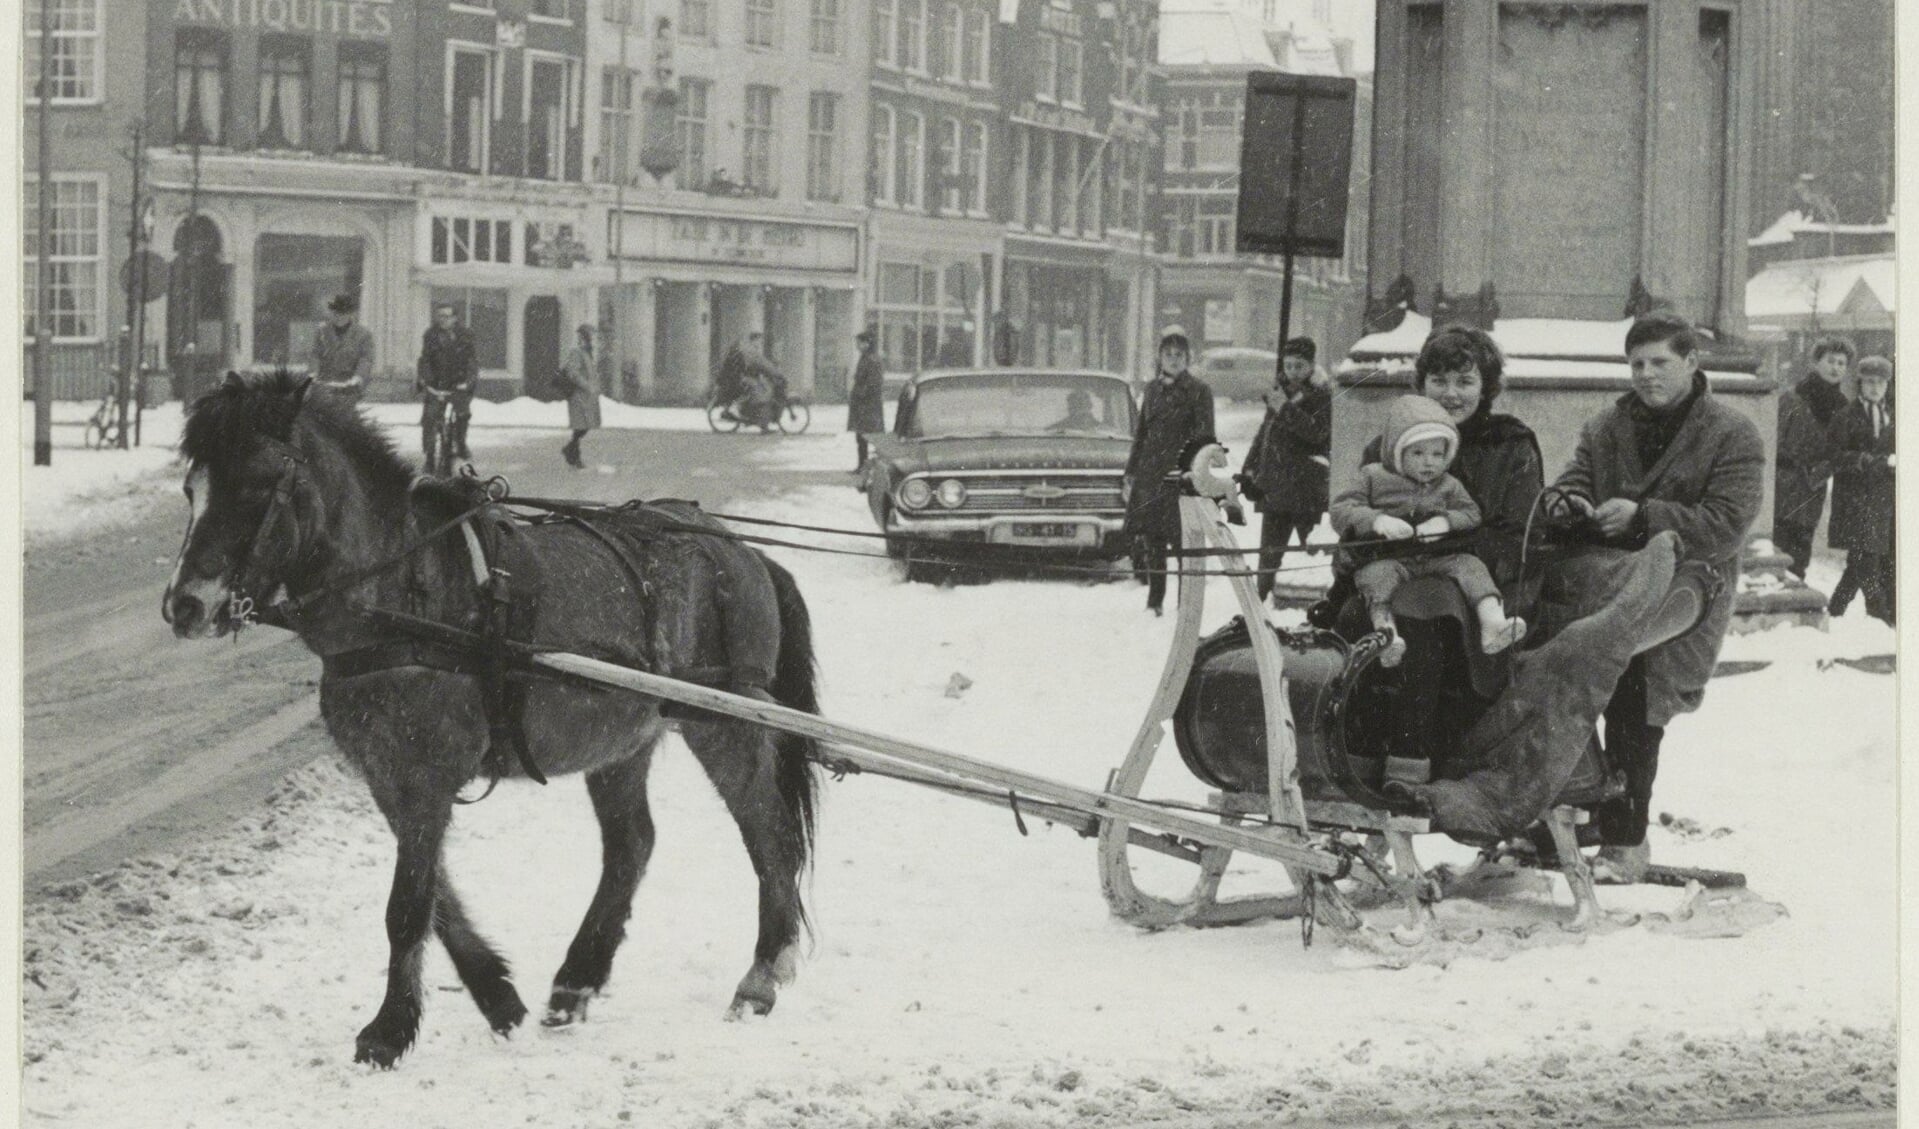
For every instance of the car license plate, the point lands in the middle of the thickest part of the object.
(1047, 532)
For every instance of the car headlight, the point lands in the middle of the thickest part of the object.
(952, 493)
(915, 494)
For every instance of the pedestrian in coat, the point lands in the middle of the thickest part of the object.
(1864, 463)
(342, 356)
(1176, 410)
(1666, 456)
(581, 373)
(1285, 468)
(446, 372)
(1804, 451)
(866, 403)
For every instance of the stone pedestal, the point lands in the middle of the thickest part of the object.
(1564, 161)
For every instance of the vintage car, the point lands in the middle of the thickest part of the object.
(1008, 461)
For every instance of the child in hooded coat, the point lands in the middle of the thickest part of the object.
(1409, 494)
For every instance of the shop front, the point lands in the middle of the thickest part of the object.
(932, 290)
(693, 284)
(1062, 302)
(259, 256)
(516, 276)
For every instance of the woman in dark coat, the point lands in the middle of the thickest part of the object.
(1177, 409)
(866, 402)
(1499, 465)
(1862, 493)
(1498, 461)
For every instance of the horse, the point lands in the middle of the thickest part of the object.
(299, 493)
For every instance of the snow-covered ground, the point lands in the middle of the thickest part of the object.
(963, 975)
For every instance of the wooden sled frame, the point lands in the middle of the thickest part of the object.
(1287, 816)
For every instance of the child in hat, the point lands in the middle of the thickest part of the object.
(1407, 494)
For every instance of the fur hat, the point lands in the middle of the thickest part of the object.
(1301, 347)
(1413, 419)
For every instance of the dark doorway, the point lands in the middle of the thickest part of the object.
(197, 308)
(540, 360)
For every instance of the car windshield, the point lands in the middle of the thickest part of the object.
(1021, 403)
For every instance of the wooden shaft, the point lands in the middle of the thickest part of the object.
(859, 745)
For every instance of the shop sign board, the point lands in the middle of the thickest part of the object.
(354, 18)
(686, 237)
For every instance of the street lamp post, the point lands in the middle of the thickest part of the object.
(43, 267)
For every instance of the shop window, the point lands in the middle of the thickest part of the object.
(692, 129)
(469, 110)
(461, 239)
(293, 276)
(824, 33)
(483, 310)
(926, 315)
(362, 98)
(76, 251)
(823, 147)
(72, 29)
(200, 87)
(758, 145)
(549, 88)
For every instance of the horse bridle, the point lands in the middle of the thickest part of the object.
(241, 605)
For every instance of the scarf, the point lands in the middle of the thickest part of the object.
(1655, 428)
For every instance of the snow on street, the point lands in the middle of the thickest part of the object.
(963, 974)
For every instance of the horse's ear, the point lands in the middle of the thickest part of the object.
(234, 381)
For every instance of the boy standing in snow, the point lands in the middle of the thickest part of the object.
(1406, 494)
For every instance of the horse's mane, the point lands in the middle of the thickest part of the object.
(231, 419)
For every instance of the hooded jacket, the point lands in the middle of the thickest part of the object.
(1382, 489)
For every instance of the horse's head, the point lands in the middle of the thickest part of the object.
(252, 502)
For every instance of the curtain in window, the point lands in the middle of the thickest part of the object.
(282, 101)
(362, 83)
(199, 89)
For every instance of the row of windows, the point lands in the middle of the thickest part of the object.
(943, 41)
(762, 22)
(283, 116)
(900, 163)
(1060, 183)
(760, 133)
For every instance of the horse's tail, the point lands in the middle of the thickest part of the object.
(796, 685)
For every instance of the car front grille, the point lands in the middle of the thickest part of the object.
(1071, 493)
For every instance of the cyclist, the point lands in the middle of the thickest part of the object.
(445, 374)
(753, 390)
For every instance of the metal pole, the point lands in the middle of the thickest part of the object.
(1292, 234)
(136, 287)
(624, 99)
(189, 260)
(43, 268)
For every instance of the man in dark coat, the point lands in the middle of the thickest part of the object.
(343, 350)
(1864, 463)
(1285, 468)
(1666, 456)
(1804, 450)
(866, 402)
(446, 372)
(1177, 409)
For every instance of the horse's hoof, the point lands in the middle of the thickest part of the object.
(742, 1003)
(371, 1048)
(567, 1007)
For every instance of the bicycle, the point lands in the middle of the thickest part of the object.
(437, 437)
(105, 428)
(792, 416)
